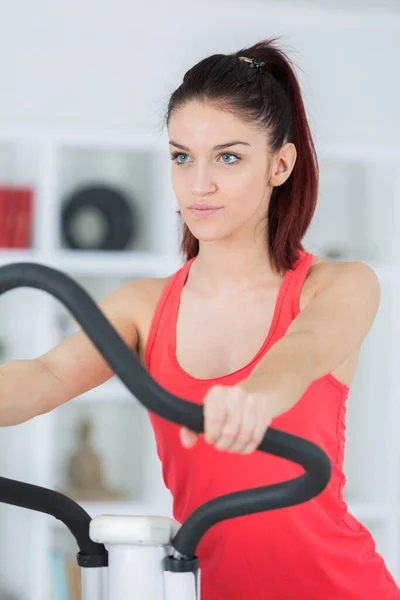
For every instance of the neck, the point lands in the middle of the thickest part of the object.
(229, 270)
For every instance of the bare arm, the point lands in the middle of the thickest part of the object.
(327, 331)
(32, 387)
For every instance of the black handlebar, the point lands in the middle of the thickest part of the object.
(40, 499)
(158, 400)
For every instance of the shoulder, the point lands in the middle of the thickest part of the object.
(142, 290)
(133, 303)
(358, 274)
(352, 278)
(147, 287)
(349, 291)
(133, 298)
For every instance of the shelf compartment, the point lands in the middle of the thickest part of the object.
(133, 172)
(20, 167)
(113, 451)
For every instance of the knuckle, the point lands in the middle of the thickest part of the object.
(231, 428)
(250, 399)
(223, 442)
(212, 431)
(213, 410)
(244, 436)
(214, 417)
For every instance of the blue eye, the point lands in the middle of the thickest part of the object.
(231, 155)
(175, 155)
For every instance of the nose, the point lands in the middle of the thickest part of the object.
(202, 183)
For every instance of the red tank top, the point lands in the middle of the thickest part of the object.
(313, 551)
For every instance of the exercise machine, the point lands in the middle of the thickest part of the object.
(148, 557)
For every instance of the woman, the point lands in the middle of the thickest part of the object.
(260, 331)
(254, 326)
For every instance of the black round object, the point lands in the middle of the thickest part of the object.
(114, 210)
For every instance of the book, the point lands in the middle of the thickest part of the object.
(16, 216)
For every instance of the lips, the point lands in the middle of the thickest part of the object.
(204, 207)
(204, 212)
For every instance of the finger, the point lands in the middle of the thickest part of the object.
(262, 424)
(233, 423)
(188, 437)
(248, 426)
(215, 414)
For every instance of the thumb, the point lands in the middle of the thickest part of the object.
(188, 437)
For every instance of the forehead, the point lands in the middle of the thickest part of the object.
(206, 124)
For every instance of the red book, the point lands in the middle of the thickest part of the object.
(18, 225)
(26, 222)
(2, 217)
(13, 207)
(16, 216)
(8, 216)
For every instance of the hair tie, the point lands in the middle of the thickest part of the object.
(254, 64)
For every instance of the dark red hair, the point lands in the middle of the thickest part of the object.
(270, 99)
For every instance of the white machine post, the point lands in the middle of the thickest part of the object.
(137, 547)
(94, 583)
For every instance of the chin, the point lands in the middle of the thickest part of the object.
(204, 234)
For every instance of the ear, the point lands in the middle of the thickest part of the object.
(282, 164)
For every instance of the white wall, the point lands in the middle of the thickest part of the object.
(111, 65)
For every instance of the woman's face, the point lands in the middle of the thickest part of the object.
(235, 178)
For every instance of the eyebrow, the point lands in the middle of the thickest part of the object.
(217, 147)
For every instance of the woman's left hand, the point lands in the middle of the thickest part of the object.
(235, 420)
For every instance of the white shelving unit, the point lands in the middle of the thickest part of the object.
(349, 223)
(56, 164)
